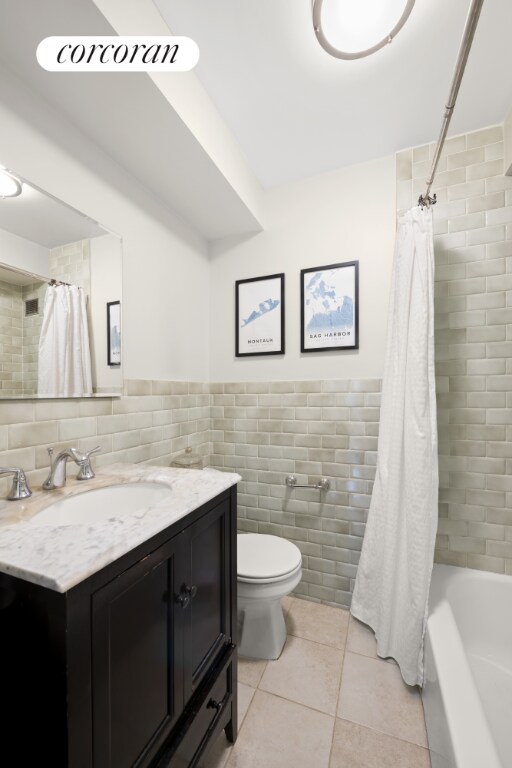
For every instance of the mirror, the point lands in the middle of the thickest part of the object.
(41, 240)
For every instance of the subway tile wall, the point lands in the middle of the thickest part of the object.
(152, 423)
(473, 312)
(31, 332)
(11, 339)
(264, 431)
(71, 263)
(269, 430)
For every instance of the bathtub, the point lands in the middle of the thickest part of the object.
(467, 693)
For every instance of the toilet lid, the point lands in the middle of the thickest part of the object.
(261, 556)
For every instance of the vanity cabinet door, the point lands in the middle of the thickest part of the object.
(207, 628)
(137, 658)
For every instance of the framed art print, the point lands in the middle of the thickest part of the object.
(259, 322)
(330, 307)
(114, 333)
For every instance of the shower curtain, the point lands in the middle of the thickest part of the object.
(393, 577)
(64, 364)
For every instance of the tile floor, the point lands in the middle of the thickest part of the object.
(327, 702)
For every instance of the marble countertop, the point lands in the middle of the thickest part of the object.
(61, 556)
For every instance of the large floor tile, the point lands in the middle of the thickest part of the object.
(321, 623)
(374, 694)
(280, 734)
(307, 673)
(357, 747)
(250, 671)
(245, 694)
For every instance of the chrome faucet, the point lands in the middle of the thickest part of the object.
(57, 475)
(19, 489)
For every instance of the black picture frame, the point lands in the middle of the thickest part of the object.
(324, 321)
(260, 300)
(113, 333)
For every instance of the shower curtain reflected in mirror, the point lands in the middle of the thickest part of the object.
(64, 365)
(393, 576)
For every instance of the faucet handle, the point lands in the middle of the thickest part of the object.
(88, 454)
(86, 472)
(20, 488)
(50, 454)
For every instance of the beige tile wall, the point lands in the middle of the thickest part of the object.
(71, 263)
(264, 431)
(31, 333)
(313, 429)
(152, 423)
(11, 336)
(473, 308)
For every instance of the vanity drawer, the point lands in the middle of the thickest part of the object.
(204, 720)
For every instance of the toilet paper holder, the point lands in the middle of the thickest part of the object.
(324, 484)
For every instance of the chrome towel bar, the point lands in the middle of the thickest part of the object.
(322, 485)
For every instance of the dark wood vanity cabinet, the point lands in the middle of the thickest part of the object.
(136, 666)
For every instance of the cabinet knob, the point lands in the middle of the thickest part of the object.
(186, 595)
(212, 704)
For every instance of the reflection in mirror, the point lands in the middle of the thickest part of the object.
(62, 354)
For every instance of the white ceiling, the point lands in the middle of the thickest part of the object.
(42, 219)
(296, 111)
(125, 115)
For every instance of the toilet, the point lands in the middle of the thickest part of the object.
(269, 568)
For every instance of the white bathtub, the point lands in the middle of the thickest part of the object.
(467, 693)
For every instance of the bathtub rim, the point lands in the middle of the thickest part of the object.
(471, 739)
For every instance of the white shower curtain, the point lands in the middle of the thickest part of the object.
(64, 364)
(393, 577)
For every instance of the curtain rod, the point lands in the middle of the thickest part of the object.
(460, 66)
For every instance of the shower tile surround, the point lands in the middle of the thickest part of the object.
(19, 334)
(11, 336)
(473, 315)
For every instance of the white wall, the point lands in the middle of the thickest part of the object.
(341, 216)
(106, 285)
(165, 264)
(24, 254)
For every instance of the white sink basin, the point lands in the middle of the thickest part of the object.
(98, 504)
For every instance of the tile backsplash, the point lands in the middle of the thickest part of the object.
(152, 423)
(263, 430)
(473, 313)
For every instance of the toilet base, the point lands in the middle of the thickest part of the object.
(262, 628)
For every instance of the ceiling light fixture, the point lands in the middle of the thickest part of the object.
(10, 186)
(353, 29)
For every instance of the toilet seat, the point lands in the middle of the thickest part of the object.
(264, 559)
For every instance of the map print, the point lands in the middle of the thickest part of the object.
(327, 308)
(260, 320)
(265, 306)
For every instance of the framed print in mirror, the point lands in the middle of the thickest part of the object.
(114, 332)
(330, 307)
(259, 323)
